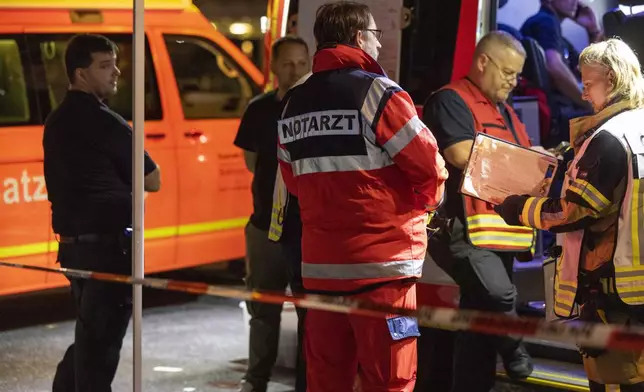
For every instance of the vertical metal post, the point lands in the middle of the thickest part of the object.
(138, 119)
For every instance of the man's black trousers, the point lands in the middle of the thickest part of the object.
(103, 313)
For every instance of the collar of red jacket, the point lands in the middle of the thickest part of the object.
(345, 56)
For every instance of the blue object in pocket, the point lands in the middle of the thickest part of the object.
(403, 327)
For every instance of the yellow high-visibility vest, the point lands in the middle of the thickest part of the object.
(628, 256)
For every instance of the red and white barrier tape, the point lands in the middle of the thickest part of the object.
(582, 334)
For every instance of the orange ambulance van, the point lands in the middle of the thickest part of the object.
(197, 86)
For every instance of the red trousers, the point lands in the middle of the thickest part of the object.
(340, 346)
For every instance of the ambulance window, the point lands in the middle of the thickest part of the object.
(209, 85)
(51, 52)
(14, 100)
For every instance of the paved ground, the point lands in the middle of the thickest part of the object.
(191, 344)
(201, 344)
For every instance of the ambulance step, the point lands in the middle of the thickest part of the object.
(553, 350)
(553, 375)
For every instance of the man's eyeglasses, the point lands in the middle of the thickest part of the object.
(376, 32)
(505, 73)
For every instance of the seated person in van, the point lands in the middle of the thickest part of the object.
(506, 27)
(561, 56)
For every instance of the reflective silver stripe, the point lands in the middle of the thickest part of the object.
(629, 274)
(640, 166)
(283, 155)
(368, 133)
(404, 136)
(374, 95)
(570, 289)
(387, 269)
(584, 192)
(563, 306)
(341, 163)
(512, 239)
(531, 210)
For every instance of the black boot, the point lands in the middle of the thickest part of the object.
(517, 363)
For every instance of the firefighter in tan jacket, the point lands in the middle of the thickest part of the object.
(601, 211)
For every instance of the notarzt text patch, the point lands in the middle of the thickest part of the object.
(326, 123)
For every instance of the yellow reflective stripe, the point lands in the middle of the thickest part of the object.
(590, 194)
(631, 288)
(630, 278)
(505, 234)
(525, 213)
(564, 301)
(494, 222)
(498, 226)
(24, 250)
(516, 240)
(161, 232)
(531, 213)
(566, 294)
(206, 227)
(155, 233)
(537, 212)
(630, 268)
(633, 300)
(607, 286)
(635, 220)
(485, 218)
(590, 187)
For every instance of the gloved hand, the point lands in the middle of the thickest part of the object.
(510, 209)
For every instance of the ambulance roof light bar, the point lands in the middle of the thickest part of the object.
(95, 5)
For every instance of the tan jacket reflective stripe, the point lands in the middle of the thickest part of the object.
(280, 196)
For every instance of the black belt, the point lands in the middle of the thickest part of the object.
(88, 238)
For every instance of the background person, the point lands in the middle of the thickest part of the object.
(477, 249)
(267, 268)
(363, 207)
(88, 172)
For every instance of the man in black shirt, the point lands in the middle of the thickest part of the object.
(88, 172)
(483, 273)
(267, 268)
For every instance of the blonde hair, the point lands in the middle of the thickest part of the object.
(617, 57)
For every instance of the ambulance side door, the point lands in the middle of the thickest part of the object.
(211, 92)
(24, 209)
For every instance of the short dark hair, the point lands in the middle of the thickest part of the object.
(339, 22)
(80, 48)
(289, 39)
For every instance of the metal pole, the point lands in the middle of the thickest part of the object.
(138, 119)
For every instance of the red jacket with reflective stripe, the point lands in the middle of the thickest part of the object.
(365, 170)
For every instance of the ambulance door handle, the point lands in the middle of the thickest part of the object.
(156, 136)
(193, 133)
